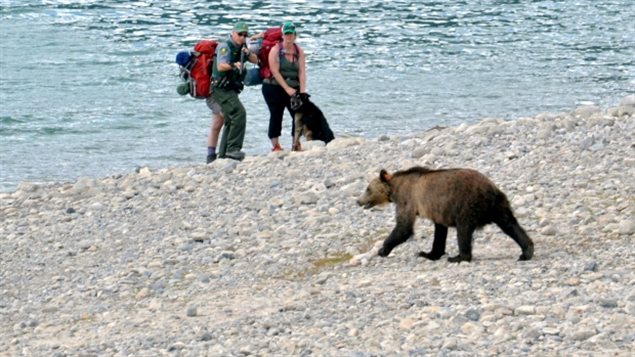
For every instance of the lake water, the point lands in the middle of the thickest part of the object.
(88, 88)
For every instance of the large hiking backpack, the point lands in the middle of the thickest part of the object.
(271, 37)
(196, 69)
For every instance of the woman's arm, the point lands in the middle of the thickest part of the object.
(301, 70)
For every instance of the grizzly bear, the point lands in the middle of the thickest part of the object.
(461, 198)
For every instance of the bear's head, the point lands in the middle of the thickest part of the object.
(377, 192)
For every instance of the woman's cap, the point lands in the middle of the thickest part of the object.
(288, 27)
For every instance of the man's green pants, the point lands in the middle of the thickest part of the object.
(235, 121)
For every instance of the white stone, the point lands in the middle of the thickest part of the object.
(628, 101)
(586, 111)
(626, 227)
(343, 143)
(525, 310)
(549, 230)
(583, 334)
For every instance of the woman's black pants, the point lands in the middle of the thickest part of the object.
(277, 99)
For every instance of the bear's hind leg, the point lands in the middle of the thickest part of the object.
(438, 246)
(508, 224)
(402, 231)
(464, 235)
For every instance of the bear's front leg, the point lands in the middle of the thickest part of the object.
(402, 231)
(438, 246)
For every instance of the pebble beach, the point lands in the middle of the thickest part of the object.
(272, 256)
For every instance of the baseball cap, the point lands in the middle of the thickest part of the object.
(241, 26)
(288, 27)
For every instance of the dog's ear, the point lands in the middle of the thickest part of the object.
(304, 96)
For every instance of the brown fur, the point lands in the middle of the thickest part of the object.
(460, 198)
(300, 129)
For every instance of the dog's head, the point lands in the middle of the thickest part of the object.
(299, 100)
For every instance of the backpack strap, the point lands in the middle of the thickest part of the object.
(296, 55)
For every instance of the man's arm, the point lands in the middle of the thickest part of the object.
(223, 59)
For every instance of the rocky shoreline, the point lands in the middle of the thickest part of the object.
(272, 256)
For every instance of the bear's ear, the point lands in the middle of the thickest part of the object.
(384, 176)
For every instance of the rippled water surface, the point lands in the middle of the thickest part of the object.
(87, 88)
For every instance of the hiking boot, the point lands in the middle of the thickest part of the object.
(235, 155)
(211, 158)
(276, 148)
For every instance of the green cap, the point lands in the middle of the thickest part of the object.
(241, 26)
(183, 88)
(288, 27)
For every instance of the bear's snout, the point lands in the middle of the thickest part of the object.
(363, 203)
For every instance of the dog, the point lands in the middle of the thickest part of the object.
(309, 121)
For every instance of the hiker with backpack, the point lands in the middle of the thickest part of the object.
(195, 69)
(227, 82)
(284, 76)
